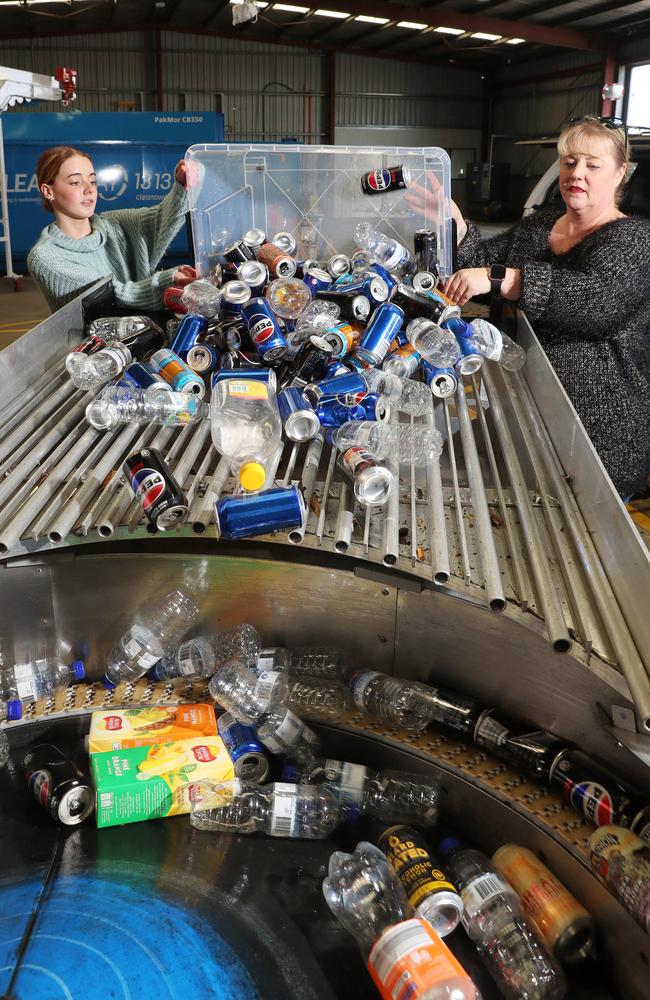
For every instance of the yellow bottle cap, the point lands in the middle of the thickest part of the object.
(252, 476)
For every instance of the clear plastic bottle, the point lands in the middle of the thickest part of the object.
(318, 698)
(118, 404)
(495, 345)
(201, 298)
(241, 642)
(366, 897)
(404, 704)
(88, 371)
(143, 643)
(382, 249)
(4, 748)
(193, 658)
(415, 398)
(387, 795)
(280, 809)
(246, 427)
(437, 346)
(246, 695)
(10, 710)
(287, 736)
(416, 444)
(288, 297)
(319, 315)
(494, 920)
(38, 679)
(273, 658)
(118, 327)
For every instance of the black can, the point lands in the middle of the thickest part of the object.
(386, 179)
(354, 306)
(315, 360)
(455, 711)
(238, 253)
(155, 488)
(425, 244)
(595, 794)
(533, 752)
(58, 785)
(417, 304)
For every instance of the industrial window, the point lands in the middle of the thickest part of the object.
(638, 100)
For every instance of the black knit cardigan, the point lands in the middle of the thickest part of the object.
(590, 308)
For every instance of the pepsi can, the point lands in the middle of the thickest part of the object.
(266, 375)
(249, 757)
(177, 372)
(155, 488)
(593, 793)
(203, 358)
(348, 388)
(284, 241)
(317, 280)
(254, 274)
(298, 417)
(187, 334)
(377, 270)
(245, 516)
(386, 179)
(375, 342)
(234, 295)
(264, 329)
(443, 382)
(254, 238)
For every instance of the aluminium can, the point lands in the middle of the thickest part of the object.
(342, 337)
(622, 861)
(372, 481)
(58, 785)
(386, 179)
(533, 752)
(379, 271)
(189, 330)
(280, 264)
(266, 375)
(254, 238)
(249, 757)
(239, 252)
(139, 375)
(338, 265)
(403, 362)
(331, 413)
(354, 305)
(173, 299)
(245, 516)
(264, 329)
(425, 244)
(443, 382)
(298, 417)
(155, 488)
(375, 342)
(347, 388)
(594, 794)
(470, 361)
(375, 407)
(203, 358)
(235, 294)
(317, 280)
(314, 362)
(177, 372)
(285, 242)
(424, 281)
(254, 274)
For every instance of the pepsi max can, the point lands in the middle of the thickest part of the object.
(264, 329)
(424, 281)
(238, 252)
(187, 334)
(375, 342)
(245, 516)
(315, 361)
(155, 488)
(443, 382)
(386, 179)
(249, 757)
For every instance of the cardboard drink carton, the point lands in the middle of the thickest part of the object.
(146, 725)
(150, 782)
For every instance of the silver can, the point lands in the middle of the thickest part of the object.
(424, 281)
(254, 274)
(373, 482)
(285, 242)
(254, 238)
(236, 293)
(338, 265)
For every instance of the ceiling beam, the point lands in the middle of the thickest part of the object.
(610, 7)
(532, 9)
(641, 17)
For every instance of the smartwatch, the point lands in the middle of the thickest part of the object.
(497, 274)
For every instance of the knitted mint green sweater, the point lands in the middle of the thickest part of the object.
(126, 244)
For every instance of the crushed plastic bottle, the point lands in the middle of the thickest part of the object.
(404, 704)
(405, 957)
(118, 327)
(201, 298)
(37, 680)
(193, 658)
(117, 404)
(241, 642)
(318, 698)
(287, 736)
(249, 697)
(143, 643)
(437, 346)
(88, 371)
(381, 248)
(280, 809)
(416, 444)
(246, 427)
(318, 316)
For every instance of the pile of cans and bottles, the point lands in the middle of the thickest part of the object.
(259, 768)
(270, 346)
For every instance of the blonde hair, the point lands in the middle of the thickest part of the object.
(591, 127)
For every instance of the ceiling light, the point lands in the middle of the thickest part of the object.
(485, 37)
(372, 20)
(411, 24)
(515, 41)
(450, 31)
(258, 3)
(331, 13)
(289, 7)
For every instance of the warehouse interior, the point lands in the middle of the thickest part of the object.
(464, 662)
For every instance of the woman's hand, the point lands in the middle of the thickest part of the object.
(184, 276)
(180, 173)
(465, 284)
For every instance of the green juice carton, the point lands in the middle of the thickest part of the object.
(150, 782)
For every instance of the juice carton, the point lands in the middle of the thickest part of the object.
(149, 724)
(150, 782)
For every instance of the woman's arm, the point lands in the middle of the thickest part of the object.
(151, 230)
(474, 251)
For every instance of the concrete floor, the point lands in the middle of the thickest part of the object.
(20, 311)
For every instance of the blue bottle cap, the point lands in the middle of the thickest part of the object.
(155, 673)
(78, 669)
(14, 710)
(447, 846)
(108, 684)
(290, 773)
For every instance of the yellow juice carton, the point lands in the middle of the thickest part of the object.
(146, 725)
(150, 782)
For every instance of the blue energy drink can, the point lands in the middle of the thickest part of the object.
(266, 375)
(331, 413)
(298, 417)
(317, 280)
(443, 382)
(187, 334)
(376, 339)
(177, 372)
(470, 360)
(139, 375)
(249, 757)
(245, 516)
(264, 328)
(341, 387)
(457, 326)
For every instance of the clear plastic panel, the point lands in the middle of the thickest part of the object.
(314, 193)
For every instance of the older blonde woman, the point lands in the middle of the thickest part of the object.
(581, 273)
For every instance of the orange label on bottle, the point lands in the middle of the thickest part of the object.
(409, 959)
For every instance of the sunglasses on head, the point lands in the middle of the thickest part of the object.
(612, 123)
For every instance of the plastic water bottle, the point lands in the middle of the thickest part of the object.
(319, 315)
(307, 812)
(4, 748)
(246, 695)
(495, 345)
(193, 658)
(381, 248)
(201, 298)
(241, 642)
(10, 710)
(88, 371)
(143, 643)
(404, 955)
(287, 736)
(318, 698)
(494, 920)
(437, 346)
(38, 679)
(157, 404)
(415, 398)
(387, 795)
(118, 327)
(415, 444)
(246, 427)
(306, 661)
(404, 704)
(288, 297)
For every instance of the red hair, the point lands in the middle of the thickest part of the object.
(48, 165)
